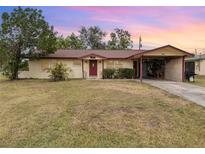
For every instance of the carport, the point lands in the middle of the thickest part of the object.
(164, 63)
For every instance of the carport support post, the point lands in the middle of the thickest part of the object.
(183, 69)
(82, 69)
(103, 69)
(141, 69)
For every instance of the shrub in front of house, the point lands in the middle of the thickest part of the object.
(116, 74)
(59, 72)
(108, 73)
(121, 73)
(125, 73)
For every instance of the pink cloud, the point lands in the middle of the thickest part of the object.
(65, 31)
(105, 19)
(169, 15)
(101, 9)
(189, 37)
(165, 25)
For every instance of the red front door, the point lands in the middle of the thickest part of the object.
(93, 67)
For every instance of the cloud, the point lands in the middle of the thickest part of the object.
(180, 26)
(105, 19)
(65, 31)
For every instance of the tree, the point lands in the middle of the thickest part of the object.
(61, 43)
(70, 42)
(3, 56)
(92, 37)
(24, 32)
(120, 39)
(113, 43)
(74, 42)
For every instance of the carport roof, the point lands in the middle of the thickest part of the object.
(106, 54)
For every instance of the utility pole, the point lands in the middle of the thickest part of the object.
(195, 52)
(140, 43)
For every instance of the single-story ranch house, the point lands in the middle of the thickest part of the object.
(166, 62)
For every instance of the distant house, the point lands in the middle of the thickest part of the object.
(166, 62)
(197, 63)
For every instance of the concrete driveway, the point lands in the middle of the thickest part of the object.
(188, 91)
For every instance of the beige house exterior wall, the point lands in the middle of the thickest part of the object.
(173, 69)
(200, 67)
(117, 63)
(39, 68)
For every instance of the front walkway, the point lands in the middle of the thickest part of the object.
(190, 92)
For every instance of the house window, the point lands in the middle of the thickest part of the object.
(44, 65)
(76, 62)
(110, 64)
(118, 64)
(24, 65)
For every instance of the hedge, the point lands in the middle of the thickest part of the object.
(121, 73)
(108, 73)
(125, 73)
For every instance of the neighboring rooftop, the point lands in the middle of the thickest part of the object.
(196, 58)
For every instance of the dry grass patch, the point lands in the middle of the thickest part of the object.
(80, 113)
(199, 80)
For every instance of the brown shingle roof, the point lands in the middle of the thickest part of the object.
(110, 54)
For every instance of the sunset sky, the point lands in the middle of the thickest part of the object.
(183, 27)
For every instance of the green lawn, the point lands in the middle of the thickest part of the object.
(82, 113)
